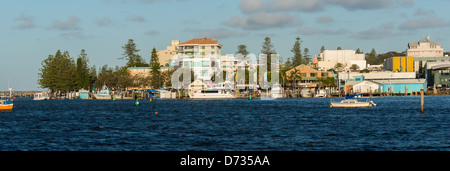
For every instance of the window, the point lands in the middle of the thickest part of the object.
(324, 74)
(313, 74)
(213, 53)
(212, 47)
(203, 47)
(203, 53)
(204, 73)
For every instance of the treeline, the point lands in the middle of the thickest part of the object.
(61, 72)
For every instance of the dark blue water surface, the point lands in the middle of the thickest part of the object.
(237, 124)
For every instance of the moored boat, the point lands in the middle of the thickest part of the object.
(6, 103)
(41, 96)
(103, 95)
(349, 102)
(215, 93)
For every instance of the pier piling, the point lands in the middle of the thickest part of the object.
(421, 100)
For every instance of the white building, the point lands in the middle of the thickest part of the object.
(422, 50)
(201, 55)
(346, 57)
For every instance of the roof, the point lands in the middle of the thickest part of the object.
(400, 81)
(201, 41)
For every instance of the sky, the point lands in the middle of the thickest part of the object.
(31, 30)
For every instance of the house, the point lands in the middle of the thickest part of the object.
(309, 76)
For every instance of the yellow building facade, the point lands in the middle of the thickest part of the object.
(399, 64)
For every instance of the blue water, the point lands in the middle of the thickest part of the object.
(238, 124)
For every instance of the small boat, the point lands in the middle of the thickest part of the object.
(6, 103)
(104, 94)
(276, 91)
(41, 96)
(349, 102)
(321, 93)
(214, 93)
(306, 93)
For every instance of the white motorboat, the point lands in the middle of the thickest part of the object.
(215, 93)
(103, 95)
(306, 93)
(321, 93)
(351, 103)
(276, 91)
(41, 96)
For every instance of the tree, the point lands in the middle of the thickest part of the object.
(322, 49)
(58, 72)
(297, 59)
(306, 56)
(242, 49)
(339, 48)
(83, 79)
(130, 54)
(358, 51)
(354, 67)
(372, 57)
(268, 49)
(155, 82)
(338, 66)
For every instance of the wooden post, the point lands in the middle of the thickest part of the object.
(421, 100)
(406, 91)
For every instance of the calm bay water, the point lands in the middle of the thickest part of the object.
(238, 124)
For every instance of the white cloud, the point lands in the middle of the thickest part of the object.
(426, 22)
(325, 19)
(219, 33)
(72, 23)
(152, 32)
(104, 22)
(26, 22)
(263, 20)
(136, 18)
(310, 31)
(299, 5)
(250, 6)
(362, 4)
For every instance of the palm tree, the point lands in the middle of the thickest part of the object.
(294, 76)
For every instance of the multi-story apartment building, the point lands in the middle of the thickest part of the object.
(203, 55)
(165, 56)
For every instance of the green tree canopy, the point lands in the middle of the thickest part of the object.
(297, 59)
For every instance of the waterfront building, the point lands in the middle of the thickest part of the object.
(165, 56)
(382, 75)
(329, 59)
(401, 85)
(438, 74)
(399, 64)
(309, 76)
(201, 55)
(387, 81)
(425, 51)
(365, 86)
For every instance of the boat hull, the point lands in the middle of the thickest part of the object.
(102, 97)
(7, 107)
(351, 105)
(41, 98)
(210, 96)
